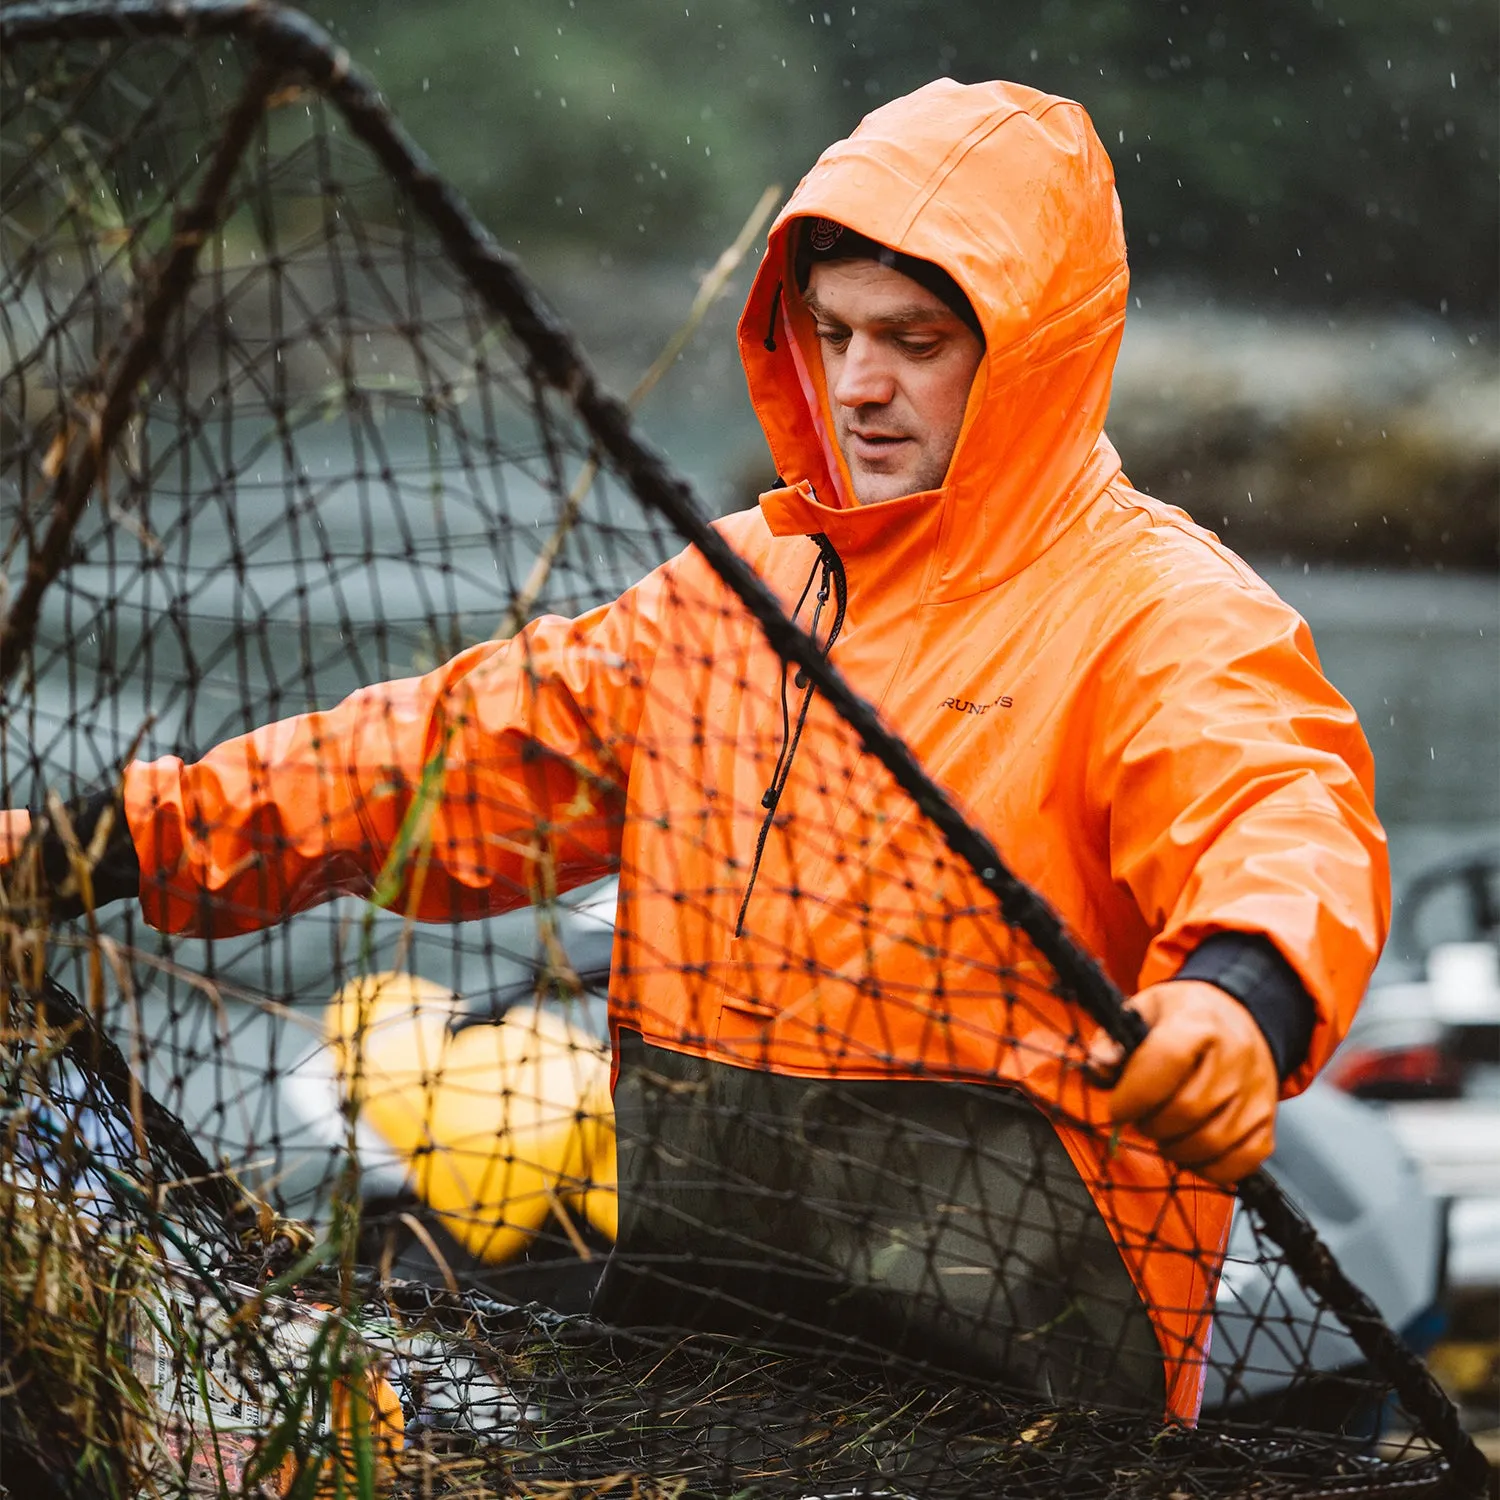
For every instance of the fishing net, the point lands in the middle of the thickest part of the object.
(352, 1203)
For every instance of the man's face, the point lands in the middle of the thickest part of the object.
(898, 364)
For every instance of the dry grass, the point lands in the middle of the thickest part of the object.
(69, 1301)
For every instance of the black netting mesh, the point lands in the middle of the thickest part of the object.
(333, 1205)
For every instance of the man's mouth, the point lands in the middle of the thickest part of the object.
(875, 444)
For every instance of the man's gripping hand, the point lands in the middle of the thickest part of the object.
(1203, 1084)
(15, 824)
(92, 826)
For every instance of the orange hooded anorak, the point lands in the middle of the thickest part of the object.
(1135, 719)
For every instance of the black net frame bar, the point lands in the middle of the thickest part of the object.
(290, 47)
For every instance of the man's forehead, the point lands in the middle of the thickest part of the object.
(866, 290)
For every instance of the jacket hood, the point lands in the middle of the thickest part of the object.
(1010, 191)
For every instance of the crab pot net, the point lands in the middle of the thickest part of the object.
(580, 1068)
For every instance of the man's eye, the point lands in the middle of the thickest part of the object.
(919, 348)
(833, 335)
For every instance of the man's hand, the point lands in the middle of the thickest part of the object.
(1203, 1084)
(14, 826)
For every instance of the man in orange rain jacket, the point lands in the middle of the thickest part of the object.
(1134, 718)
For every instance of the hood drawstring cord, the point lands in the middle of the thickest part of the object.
(834, 579)
(769, 795)
(770, 338)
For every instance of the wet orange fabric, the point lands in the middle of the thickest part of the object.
(1137, 721)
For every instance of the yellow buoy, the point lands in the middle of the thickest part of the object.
(499, 1126)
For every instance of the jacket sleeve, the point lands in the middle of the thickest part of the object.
(467, 791)
(1238, 790)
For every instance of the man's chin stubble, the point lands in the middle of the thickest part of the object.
(865, 494)
(890, 486)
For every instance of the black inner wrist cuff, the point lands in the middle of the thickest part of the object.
(1249, 966)
(116, 876)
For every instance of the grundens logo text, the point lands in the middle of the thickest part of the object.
(964, 706)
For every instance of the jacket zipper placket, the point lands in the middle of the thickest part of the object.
(835, 579)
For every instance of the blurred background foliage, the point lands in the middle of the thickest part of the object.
(1338, 152)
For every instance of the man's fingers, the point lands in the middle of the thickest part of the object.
(1102, 1064)
(1219, 1127)
(1211, 1095)
(1215, 1128)
(1156, 1071)
(1222, 1155)
(15, 824)
(1198, 1102)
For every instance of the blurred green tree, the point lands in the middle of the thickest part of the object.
(1300, 150)
(647, 128)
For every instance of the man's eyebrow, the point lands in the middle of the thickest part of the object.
(917, 312)
(898, 317)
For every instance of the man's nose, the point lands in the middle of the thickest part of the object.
(864, 377)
